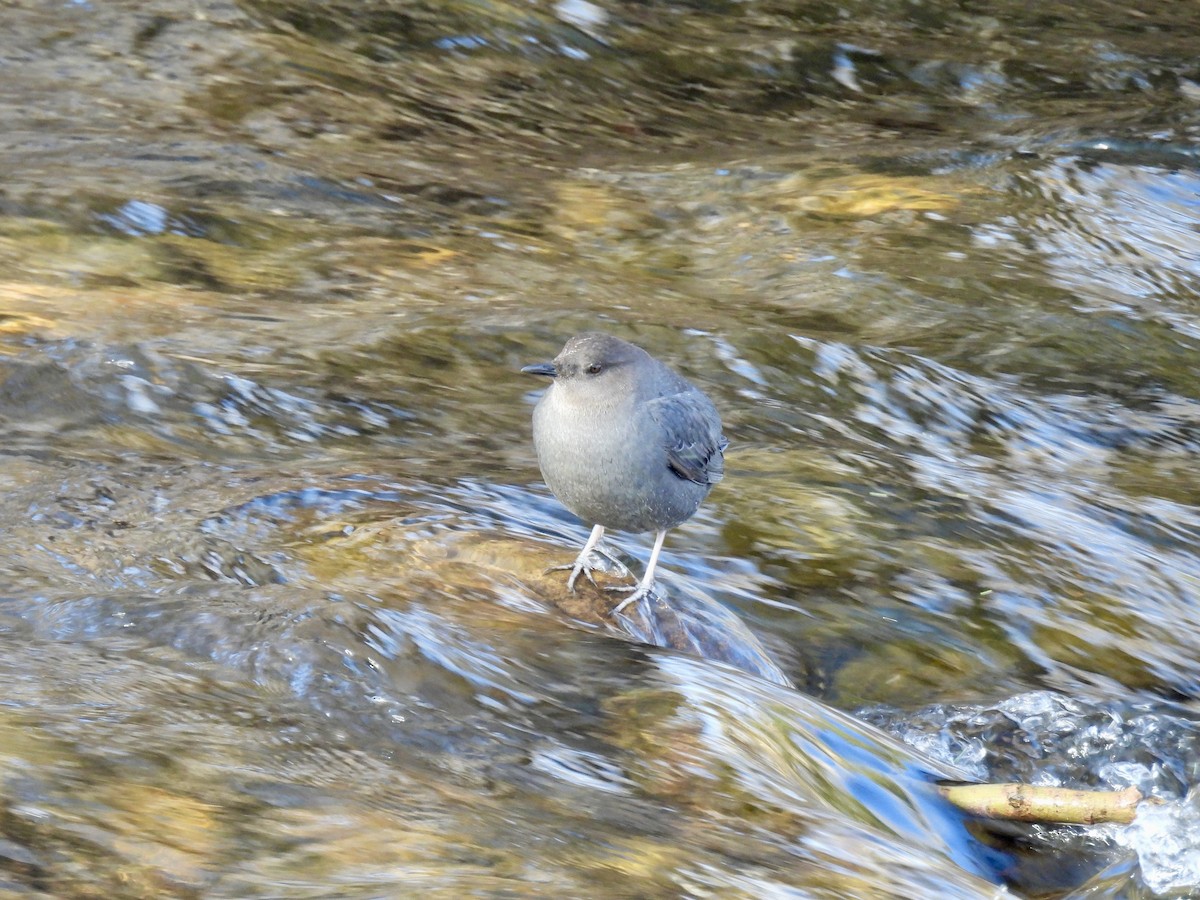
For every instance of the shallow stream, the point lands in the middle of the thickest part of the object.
(273, 614)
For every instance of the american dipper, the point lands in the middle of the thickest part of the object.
(624, 443)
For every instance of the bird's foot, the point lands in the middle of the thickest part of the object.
(582, 566)
(577, 568)
(643, 589)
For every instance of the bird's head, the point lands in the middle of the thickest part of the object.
(592, 365)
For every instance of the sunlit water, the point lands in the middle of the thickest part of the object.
(273, 611)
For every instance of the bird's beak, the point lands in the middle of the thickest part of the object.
(541, 369)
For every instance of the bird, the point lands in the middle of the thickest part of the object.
(624, 443)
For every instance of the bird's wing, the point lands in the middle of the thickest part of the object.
(691, 434)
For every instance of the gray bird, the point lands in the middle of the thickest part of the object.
(624, 443)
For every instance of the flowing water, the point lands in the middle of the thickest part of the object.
(272, 604)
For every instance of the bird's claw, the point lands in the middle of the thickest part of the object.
(576, 570)
(581, 567)
(638, 592)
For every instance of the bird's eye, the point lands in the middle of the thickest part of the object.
(594, 369)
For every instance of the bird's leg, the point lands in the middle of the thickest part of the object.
(580, 565)
(646, 585)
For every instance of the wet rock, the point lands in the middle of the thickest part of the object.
(693, 623)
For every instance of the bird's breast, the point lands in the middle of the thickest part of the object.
(607, 463)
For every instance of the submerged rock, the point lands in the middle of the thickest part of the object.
(693, 623)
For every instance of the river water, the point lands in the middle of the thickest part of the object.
(272, 603)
